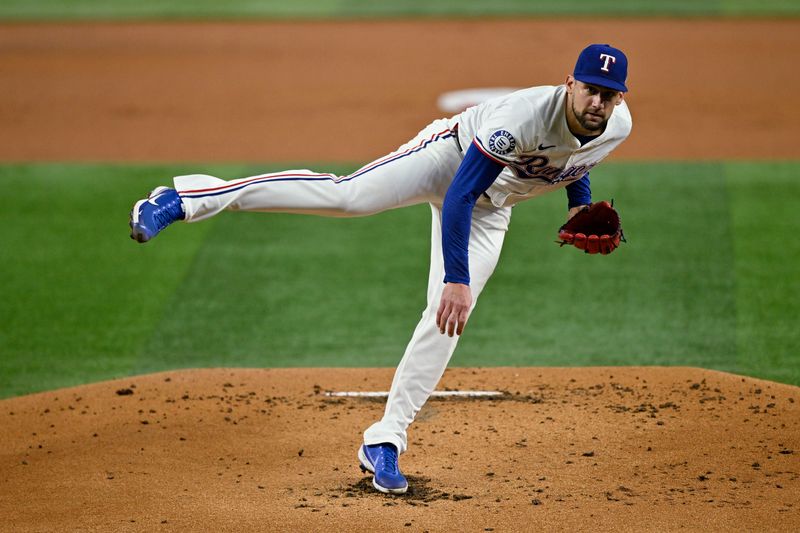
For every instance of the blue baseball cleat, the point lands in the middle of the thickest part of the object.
(381, 460)
(161, 208)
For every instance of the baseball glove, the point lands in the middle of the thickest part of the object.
(594, 229)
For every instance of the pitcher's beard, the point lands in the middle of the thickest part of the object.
(585, 124)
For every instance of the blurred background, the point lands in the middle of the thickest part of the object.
(103, 101)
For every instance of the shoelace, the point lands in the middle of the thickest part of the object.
(390, 460)
(167, 214)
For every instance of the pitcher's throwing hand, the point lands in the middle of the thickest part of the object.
(454, 308)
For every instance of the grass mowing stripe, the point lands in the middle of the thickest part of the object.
(243, 9)
(764, 213)
(78, 295)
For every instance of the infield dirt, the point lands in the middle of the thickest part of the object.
(354, 91)
(639, 449)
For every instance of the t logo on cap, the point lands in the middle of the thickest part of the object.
(602, 65)
(608, 58)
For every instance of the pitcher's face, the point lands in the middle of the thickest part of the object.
(590, 105)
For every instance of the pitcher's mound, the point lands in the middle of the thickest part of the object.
(238, 450)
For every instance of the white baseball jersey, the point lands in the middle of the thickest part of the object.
(527, 130)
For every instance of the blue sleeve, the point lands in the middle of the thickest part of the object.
(579, 192)
(475, 174)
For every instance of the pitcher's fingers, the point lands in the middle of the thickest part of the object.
(462, 321)
(446, 317)
(439, 316)
(452, 323)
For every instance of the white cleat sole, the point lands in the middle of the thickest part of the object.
(136, 233)
(389, 491)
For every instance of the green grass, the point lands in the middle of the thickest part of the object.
(767, 269)
(239, 9)
(708, 278)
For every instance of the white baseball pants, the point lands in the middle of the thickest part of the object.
(420, 171)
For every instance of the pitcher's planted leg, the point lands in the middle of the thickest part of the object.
(429, 352)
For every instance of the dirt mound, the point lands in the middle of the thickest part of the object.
(621, 448)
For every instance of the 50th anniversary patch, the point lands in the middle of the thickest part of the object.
(501, 142)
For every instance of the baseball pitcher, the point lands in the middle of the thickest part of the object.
(471, 169)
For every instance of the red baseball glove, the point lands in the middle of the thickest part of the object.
(594, 229)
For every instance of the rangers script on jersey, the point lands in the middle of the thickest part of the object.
(527, 131)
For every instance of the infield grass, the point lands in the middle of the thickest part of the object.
(249, 9)
(708, 278)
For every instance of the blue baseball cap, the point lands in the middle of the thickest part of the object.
(603, 65)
